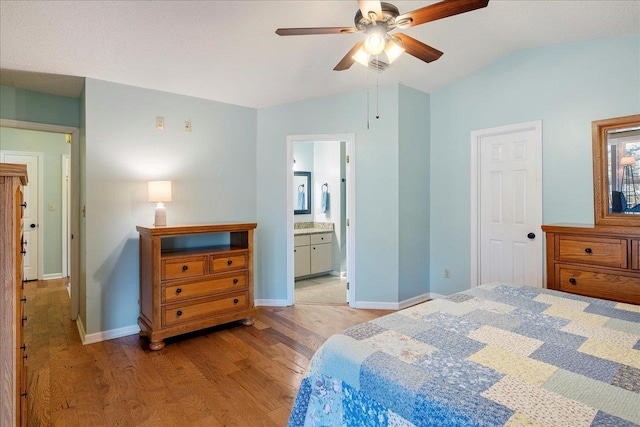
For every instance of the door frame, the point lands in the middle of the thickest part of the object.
(475, 175)
(40, 213)
(350, 141)
(75, 199)
(66, 221)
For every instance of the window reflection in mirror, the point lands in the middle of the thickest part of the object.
(623, 153)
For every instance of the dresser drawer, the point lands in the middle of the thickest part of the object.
(228, 262)
(599, 283)
(321, 238)
(204, 288)
(181, 268)
(179, 314)
(593, 250)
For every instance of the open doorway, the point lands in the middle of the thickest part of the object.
(320, 219)
(58, 213)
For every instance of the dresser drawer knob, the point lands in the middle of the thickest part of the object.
(573, 281)
(235, 281)
(23, 252)
(24, 205)
(23, 299)
(588, 250)
(185, 267)
(25, 357)
(235, 300)
(23, 347)
(179, 313)
(229, 262)
(24, 319)
(178, 290)
(23, 394)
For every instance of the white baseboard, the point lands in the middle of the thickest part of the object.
(104, 335)
(52, 276)
(270, 303)
(371, 305)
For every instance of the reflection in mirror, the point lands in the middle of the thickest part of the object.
(616, 171)
(302, 193)
(623, 151)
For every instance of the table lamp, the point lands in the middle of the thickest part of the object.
(160, 191)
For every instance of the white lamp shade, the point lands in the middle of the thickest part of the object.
(628, 160)
(362, 57)
(159, 191)
(393, 51)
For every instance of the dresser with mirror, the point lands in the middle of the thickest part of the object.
(603, 260)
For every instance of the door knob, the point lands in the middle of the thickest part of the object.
(531, 236)
(32, 226)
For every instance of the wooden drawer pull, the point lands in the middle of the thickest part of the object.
(588, 250)
(178, 290)
(235, 281)
(235, 300)
(185, 267)
(573, 281)
(179, 313)
(229, 262)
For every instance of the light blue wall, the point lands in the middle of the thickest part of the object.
(413, 192)
(29, 106)
(376, 165)
(212, 169)
(52, 146)
(566, 86)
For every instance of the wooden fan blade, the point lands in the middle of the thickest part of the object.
(319, 30)
(438, 11)
(367, 6)
(416, 48)
(346, 62)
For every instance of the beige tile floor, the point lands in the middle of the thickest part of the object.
(321, 290)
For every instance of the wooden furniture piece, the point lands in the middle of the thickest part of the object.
(13, 373)
(600, 261)
(190, 288)
(313, 253)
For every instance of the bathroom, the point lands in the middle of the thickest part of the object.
(319, 199)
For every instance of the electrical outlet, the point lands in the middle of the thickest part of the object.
(187, 126)
(447, 274)
(160, 123)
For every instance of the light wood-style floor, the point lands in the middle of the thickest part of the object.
(227, 376)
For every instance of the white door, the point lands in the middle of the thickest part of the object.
(31, 212)
(509, 204)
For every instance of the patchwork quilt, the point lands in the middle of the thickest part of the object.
(497, 354)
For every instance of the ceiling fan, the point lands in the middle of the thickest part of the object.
(375, 18)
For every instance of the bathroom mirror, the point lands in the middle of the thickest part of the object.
(616, 171)
(302, 193)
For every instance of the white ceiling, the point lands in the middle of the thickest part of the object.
(228, 51)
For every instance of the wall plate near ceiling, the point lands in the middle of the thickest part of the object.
(376, 19)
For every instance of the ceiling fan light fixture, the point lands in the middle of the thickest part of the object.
(361, 57)
(393, 51)
(374, 44)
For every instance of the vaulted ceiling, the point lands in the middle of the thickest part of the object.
(228, 50)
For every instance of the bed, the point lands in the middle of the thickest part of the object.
(497, 354)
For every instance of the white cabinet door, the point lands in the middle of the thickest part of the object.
(302, 261)
(321, 258)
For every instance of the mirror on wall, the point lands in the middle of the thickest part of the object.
(302, 193)
(616, 170)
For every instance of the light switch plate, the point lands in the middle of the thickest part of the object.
(160, 123)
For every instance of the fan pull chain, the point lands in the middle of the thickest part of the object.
(377, 94)
(368, 98)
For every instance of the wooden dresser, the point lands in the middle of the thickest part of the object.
(186, 287)
(13, 374)
(600, 261)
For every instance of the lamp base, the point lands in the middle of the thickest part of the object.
(161, 215)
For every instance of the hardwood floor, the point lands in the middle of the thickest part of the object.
(231, 375)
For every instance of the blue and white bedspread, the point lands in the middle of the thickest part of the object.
(494, 355)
